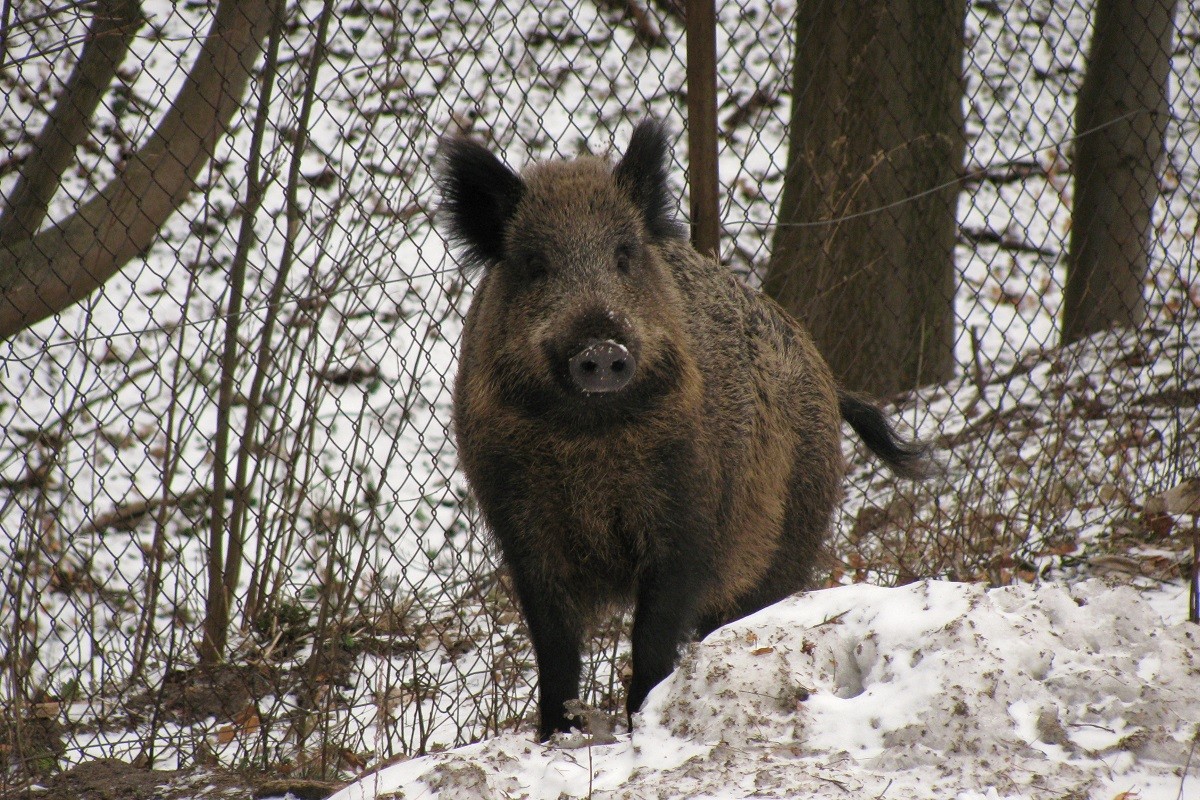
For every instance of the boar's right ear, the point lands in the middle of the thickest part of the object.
(479, 195)
(643, 174)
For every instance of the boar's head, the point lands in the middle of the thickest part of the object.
(577, 318)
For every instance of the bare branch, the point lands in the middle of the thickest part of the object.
(62, 265)
(125, 517)
(644, 28)
(109, 36)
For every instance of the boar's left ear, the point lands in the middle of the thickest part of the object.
(643, 174)
(479, 195)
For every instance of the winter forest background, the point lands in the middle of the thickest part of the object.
(231, 527)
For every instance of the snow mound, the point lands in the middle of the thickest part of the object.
(932, 690)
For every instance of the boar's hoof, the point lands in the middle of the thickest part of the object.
(602, 367)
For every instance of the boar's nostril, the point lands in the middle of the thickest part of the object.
(602, 367)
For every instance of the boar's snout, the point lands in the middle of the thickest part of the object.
(602, 366)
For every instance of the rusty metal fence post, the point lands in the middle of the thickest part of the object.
(702, 124)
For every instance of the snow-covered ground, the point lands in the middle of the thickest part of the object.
(933, 690)
(352, 465)
(1062, 685)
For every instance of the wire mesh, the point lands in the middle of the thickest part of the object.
(233, 527)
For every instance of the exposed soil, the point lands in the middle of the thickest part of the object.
(110, 779)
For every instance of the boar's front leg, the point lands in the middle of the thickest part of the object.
(553, 622)
(555, 632)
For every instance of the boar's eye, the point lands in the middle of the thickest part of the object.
(624, 258)
(535, 268)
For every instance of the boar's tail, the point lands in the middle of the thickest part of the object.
(907, 459)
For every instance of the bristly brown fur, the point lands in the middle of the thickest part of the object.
(703, 490)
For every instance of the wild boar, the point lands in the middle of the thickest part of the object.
(636, 424)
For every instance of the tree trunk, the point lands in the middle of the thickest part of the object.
(864, 250)
(1120, 119)
(42, 275)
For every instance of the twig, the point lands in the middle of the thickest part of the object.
(674, 8)
(976, 374)
(643, 26)
(977, 359)
(835, 782)
(742, 112)
(1188, 765)
(121, 517)
(834, 620)
(1194, 589)
(224, 545)
(1005, 240)
(1010, 172)
(265, 363)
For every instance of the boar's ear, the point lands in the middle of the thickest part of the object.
(479, 195)
(643, 174)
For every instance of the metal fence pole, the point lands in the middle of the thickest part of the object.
(702, 123)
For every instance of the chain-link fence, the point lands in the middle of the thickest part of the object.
(233, 530)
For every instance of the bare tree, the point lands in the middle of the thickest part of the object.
(864, 251)
(1120, 118)
(45, 271)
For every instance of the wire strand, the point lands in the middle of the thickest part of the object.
(966, 176)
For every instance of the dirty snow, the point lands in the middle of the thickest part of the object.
(931, 690)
